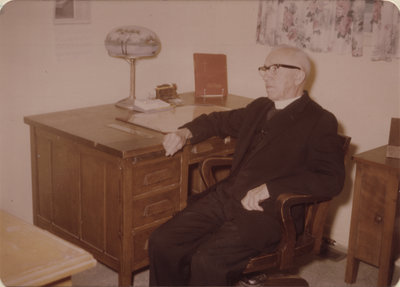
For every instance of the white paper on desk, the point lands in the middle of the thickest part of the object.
(171, 120)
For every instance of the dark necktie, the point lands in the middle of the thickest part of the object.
(262, 132)
(271, 112)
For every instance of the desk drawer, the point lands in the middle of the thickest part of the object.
(213, 146)
(148, 209)
(156, 174)
(141, 236)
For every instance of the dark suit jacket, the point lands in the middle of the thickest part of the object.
(300, 152)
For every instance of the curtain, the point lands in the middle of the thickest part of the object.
(331, 26)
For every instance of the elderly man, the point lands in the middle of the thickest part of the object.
(285, 143)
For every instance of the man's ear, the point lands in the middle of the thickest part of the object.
(300, 77)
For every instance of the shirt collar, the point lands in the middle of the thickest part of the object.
(284, 103)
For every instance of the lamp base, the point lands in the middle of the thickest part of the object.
(128, 104)
(150, 105)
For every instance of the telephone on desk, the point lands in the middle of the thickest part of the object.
(166, 98)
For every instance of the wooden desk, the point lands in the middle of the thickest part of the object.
(376, 190)
(30, 256)
(105, 189)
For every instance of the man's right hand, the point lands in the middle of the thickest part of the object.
(175, 141)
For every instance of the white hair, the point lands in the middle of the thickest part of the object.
(296, 54)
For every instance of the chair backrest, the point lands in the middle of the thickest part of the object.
(293, 245)
(316, 214)
(314, 223)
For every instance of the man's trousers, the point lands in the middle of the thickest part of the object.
(200, 246)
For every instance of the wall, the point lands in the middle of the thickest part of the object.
(46, 67)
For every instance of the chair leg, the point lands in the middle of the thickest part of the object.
(263, 279)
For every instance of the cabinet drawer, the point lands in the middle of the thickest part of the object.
(371, 215)
(156, 174)
(148, 209)
(213, 146)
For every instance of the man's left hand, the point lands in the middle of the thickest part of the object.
(254, 196)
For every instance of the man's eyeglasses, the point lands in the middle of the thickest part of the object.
(274, 68)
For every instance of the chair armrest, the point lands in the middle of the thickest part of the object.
(289, 236)
(286, 200)
(206, 168)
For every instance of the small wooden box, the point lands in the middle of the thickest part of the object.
(393, 147)
(166, 92)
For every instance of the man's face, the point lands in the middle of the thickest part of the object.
(280, 84)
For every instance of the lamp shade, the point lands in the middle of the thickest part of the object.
(132, 42)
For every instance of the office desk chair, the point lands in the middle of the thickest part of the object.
(292, 245)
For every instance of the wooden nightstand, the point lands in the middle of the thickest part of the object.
(376, 190)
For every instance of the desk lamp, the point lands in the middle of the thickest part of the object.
(131, 43)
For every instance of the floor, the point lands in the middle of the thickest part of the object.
(326, 271)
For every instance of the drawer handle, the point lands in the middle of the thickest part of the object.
(157, 208)
(378, 218)
(227, 140)
(202, 147)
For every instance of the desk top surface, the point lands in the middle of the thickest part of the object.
(98, 126)
(30, 256)
(378, 156)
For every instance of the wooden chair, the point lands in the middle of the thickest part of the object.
(292, 245)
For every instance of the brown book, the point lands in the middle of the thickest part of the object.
(210, 75)
(393, 147)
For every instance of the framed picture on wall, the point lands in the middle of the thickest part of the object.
(71, 11)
